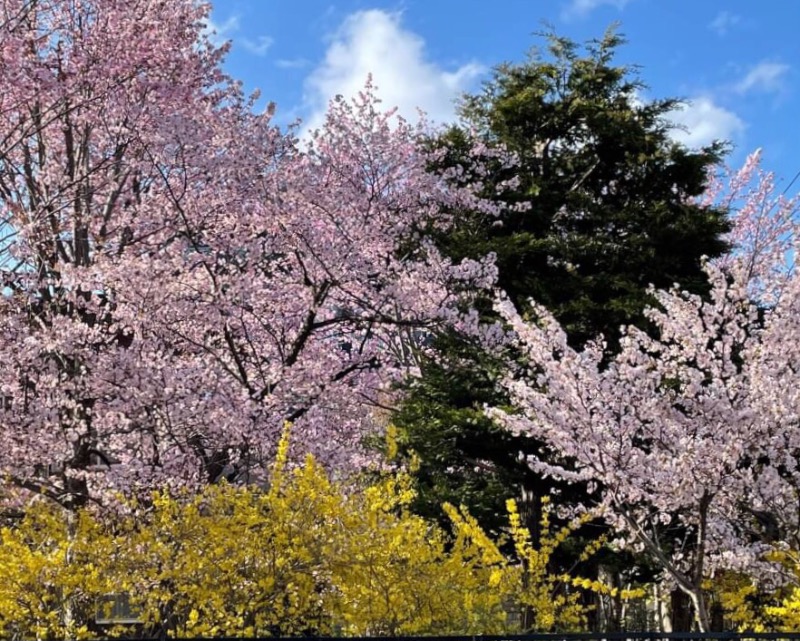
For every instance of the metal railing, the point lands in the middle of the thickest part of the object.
(567, 636)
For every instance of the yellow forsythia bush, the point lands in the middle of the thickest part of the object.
(49, 578)
(749, 605)
(741, 601)
(305, 556)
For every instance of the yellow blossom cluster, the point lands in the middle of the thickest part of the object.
(749, 606)
(305, 556)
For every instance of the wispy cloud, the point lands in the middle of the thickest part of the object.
(582, 8)
(701, 121)
(219, 33)
(292, 63)
(258, 47)
(765, 77)
(723, 22)
(375, 42)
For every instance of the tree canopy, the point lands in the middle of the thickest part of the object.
(605, 205)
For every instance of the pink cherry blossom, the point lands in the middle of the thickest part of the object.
(698, 428)
(181, 277)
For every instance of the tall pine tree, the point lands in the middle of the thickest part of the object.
(611, 212)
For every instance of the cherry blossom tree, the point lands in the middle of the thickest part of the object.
(179, 276)
(696, 431)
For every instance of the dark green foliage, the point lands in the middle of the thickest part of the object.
(608, 190)
(611, 213)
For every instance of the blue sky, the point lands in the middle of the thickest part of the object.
(737, 62)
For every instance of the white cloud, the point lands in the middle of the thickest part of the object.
(582, 8)
(292, 63)
(219, 33)
(374, 42)
(723, 22)
(260, 46)
(701, 121)
(766, 77)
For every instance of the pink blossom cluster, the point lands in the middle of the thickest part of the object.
(698, 428)
(180, 277)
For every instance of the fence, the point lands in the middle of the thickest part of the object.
(577, 636)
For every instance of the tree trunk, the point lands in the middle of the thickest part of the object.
(689, 608)
(701, 612)
(680, 611)
(530, 511)
(717, 618)
(68, 612)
